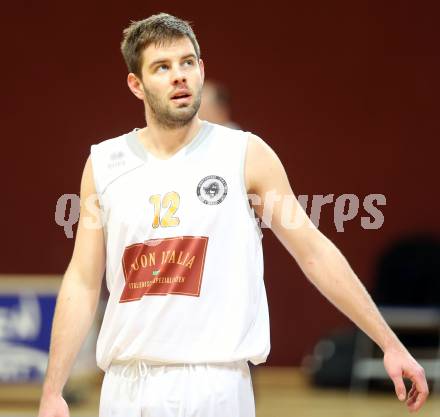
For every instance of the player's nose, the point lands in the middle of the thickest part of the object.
(178, 76)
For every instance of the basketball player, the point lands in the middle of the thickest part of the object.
(182, 251)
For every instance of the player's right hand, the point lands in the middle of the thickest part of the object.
(52, 405)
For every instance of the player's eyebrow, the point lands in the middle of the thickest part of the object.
(161, 61)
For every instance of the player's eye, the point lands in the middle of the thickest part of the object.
(162, 67)
(189, 62)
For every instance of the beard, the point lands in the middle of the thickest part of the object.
(172, 118)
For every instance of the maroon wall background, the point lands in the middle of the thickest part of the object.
(345, 93)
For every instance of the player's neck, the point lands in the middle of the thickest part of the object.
(165, 142)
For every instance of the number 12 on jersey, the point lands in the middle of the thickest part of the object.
(170, 201)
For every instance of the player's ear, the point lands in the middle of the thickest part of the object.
(135, 86)
(202, 69)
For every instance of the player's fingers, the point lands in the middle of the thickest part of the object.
(422, 391)
(417, 402)
(399, 386)
(412, 395)
(412, 390)
(411, 400)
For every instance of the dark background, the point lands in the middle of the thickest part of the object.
(346, 93)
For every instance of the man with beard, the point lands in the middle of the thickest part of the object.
(173, 229)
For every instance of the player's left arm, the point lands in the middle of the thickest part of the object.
(324, 265)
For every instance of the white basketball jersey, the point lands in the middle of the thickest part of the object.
(184, 254)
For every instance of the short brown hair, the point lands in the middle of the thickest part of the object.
(157, 29)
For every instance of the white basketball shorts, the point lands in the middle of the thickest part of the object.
(138, 389)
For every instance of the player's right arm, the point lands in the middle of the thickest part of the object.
(77, 299)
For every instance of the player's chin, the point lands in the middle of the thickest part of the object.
(184, 109)
(183, 106)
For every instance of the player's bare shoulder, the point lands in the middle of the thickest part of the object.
(87, 181)
(261, 163)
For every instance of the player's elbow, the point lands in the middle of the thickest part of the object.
(319, 253)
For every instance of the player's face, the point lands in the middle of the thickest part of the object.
(172, 80)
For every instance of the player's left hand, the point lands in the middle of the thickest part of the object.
(400, 364)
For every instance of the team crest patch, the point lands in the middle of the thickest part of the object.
(212, 190)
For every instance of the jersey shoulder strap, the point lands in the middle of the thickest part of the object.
(111, 159)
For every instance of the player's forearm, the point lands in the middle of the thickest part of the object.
(74, 313)
(330, 272)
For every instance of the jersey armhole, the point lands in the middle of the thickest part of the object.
(251, 212)
(95, 167)
(95, 175)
